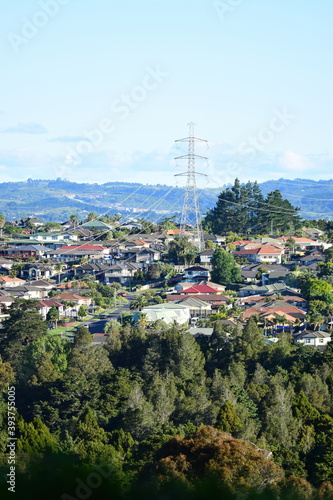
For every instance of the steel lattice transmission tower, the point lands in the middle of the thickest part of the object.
(191, 211)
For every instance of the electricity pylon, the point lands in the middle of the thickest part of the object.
(191, 211)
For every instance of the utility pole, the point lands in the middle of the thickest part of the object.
(191, 210)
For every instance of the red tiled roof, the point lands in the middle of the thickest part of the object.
(176, 231)
(297, 240)
(8, 279)
(199, 289)
(210, 297)
(66, 286)
(50, 303)
(278, 310)
(241, 242)
(70, 296)
(262, 250)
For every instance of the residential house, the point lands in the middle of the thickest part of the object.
(77, 299)
(196, 273)
(313, 233)
(75, 253)
(46, 305)
(25, 251)
(313, 338)
(275, 274)
(263, 253)
(270, 311)
(199, 289)
(265, 290)
(53, 237)
(214, 238)
(5, 265)
(30, 221)
(97, 270)
(122, 272)
(302, 243)
(214, 300)
(37, 271)
(7, 282)
(206, 256)
(5, 303)
(97, 225)
(83, 233)
(260, 300)
(167, 313)
(196, 306)
(196, 331)
(28, 292)
(171, 234)
(314, 257)
(46, 285)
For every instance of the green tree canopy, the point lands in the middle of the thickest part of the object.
(224, 268)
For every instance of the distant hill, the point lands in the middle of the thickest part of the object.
(314, 197)
(55, 200)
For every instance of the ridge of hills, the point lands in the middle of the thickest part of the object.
(55, 200)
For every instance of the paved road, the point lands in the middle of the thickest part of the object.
(98, 326)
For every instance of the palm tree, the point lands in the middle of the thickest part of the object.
(2, 223)
(316, 319)
(142, 319)
(139, 303)
(329, 312)
(59, 267)
(91, 216)
(73, 219)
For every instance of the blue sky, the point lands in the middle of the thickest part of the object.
(98, 90)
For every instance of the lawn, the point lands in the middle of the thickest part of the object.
(61, 330)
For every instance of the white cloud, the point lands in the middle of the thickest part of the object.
(25, 128)
(68, 138)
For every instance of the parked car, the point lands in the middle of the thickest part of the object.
(122, 294)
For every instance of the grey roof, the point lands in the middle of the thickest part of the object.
(210, 251)
(197, 330)
(24, 288)
(265, 288)
(318, 256)
(311, 334)
(192, 302)
(37, 248)
(196, 268)
(98, 224)
(42, 283)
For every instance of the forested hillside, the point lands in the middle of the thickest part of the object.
(80, 407)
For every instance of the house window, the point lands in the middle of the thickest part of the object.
(321, 341)
(307, 341)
